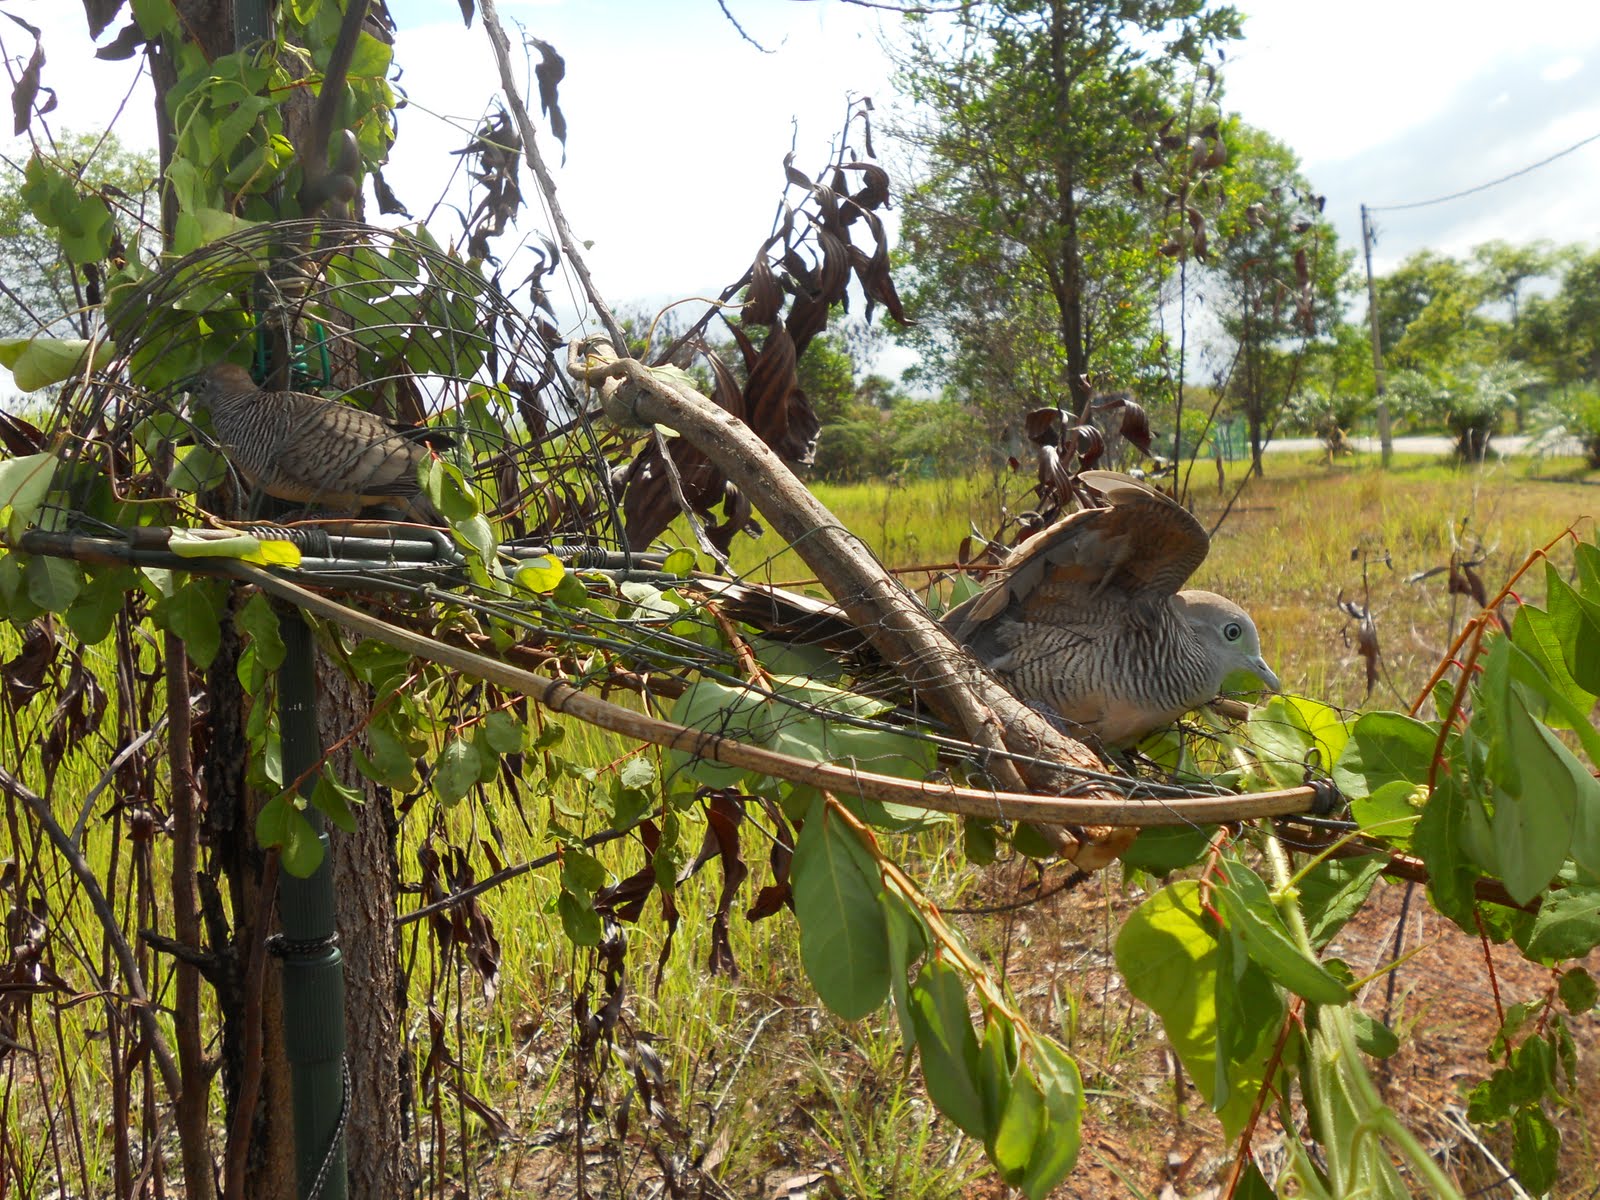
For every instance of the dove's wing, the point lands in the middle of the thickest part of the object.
(1141, 544)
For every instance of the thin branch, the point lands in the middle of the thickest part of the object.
(238, 1141)
(547, 185)
(109, 774)
(732, 20)
(143, 1007)
(193, 1108)
(891, 618)
(504, 875)
(314, 159)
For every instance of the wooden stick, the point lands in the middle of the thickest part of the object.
(143, 1007)
(891, 617)
(940, 797)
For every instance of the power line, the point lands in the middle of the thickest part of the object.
(1543, 162)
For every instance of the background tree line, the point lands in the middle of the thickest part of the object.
(1081, 212)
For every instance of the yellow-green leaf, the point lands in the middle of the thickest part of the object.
(37, 362)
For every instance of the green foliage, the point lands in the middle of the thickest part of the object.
(1220, 1023)
(811, 720)
(1337, 391)
(844, 935)
(39, 361)
(1572, 411)
(1012, 1088)
(1469, 400)
(88, 199)
(24, 484)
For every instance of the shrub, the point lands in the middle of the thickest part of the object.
(1574, 412)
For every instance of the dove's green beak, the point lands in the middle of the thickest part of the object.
(1243, 682)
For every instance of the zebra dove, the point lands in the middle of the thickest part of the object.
(1087, 620)
(314, 451)
(1084, 620)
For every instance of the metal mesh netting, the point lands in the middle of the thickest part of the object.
(339, 309)
(394, 323)
(389, 321)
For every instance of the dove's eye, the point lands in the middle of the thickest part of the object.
(1233, 631)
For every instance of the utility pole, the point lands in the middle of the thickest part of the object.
(1385, 437)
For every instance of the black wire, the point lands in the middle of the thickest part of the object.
(1483, 187)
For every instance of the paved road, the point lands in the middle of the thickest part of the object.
(1431, 444)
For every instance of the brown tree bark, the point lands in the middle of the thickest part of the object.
(379, 1147)
(260, 1150)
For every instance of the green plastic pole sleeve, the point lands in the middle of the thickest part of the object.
(313, 968)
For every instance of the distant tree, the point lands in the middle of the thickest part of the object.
(1556, 332)
(39, 287)
(1504, 270)
(827, 375)
(1470, 400)
(940, 437)
(1573, 412)
(1336, 390)
(1032, 245)
(857, 439)
(1428, 313)
(1276, 275)
(1579, 299)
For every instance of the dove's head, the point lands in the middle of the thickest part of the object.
(224, 379)
(1228, 635)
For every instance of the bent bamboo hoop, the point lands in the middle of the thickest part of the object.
(847, 781)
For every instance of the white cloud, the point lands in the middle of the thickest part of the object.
(1563, 68)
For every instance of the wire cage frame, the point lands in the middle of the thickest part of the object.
(382, 318)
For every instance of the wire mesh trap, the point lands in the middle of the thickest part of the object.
(383, 319)
(420, 337)
(335, 308)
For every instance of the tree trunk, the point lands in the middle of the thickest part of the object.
(381, 1160)
(378, 1136)
(252, 1057)
(380, 1157)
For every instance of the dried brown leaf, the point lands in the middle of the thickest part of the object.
(23, 676)
(1043, 426)
(128, 41)
(794, 175)
(20, 437)
(764, 297)
(100, 13)
(1089, 443)
(1136, 425)
(27, 88)
(549, 73)
(874, 190)
(723, 817)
